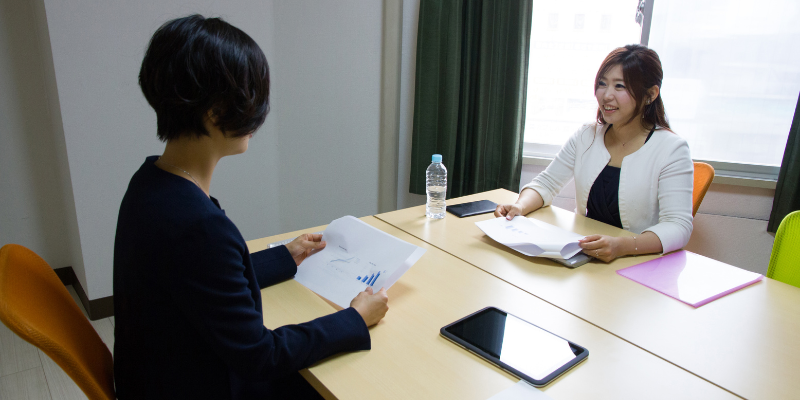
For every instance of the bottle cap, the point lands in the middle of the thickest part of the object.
(436, 158)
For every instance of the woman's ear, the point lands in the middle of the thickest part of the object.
(211, 121)
(212, 117)
(652, 94)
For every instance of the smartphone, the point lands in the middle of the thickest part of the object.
(515, 345)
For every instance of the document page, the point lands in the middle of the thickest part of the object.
(532, 237)
(356, 256)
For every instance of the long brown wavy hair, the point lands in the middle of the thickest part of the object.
(641, 70)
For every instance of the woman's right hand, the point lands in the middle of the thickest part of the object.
(371, 306)
(508, 210)
(529, 200)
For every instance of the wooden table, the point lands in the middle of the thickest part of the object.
(409, 360)
(745, 342)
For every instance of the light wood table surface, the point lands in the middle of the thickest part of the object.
(745, 342)
(409, 360)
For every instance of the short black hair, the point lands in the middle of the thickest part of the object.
(195, 64)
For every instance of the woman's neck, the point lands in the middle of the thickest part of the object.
(193, 159)
(627, 132)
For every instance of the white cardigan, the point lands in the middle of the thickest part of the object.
(655, 183)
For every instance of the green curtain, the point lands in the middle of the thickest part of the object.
(469, 104)
(787, 193)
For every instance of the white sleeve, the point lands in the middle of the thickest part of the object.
(560, 171)
(675, 185)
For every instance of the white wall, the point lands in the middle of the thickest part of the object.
(327, 96)
(37, 208)
(407, 89)
(315, 159)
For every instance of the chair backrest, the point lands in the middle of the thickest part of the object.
(703, 175)
(784, 264)
(35, 305)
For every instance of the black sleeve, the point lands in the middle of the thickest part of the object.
(211, 290)
(273, 265)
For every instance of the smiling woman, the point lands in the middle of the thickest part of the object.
(630, 169)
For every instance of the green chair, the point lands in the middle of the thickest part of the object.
(784, 264)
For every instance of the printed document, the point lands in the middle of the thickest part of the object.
(532, 237)
(356, 256)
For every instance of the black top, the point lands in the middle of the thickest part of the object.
(187, 302)
(603, 203)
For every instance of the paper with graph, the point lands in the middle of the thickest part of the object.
(532, 237)
(357, 256)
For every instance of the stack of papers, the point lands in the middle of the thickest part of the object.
(356, 256)
(532, 237)
(690, 278)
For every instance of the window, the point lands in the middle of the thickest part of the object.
(569, 40)
(731, 72)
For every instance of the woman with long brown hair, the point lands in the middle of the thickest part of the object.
(630, 169)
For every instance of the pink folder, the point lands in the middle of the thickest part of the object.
(690, 278)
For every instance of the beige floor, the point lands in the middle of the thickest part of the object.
(26, 373)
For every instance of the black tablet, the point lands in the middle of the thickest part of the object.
(472, 208)
(515, 345)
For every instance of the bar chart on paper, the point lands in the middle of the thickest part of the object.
(370, 280)
(357, 257)
(367, 272)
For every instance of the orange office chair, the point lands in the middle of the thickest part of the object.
(703, 175)
(35, 305)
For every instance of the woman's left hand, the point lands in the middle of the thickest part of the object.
(304, 245)
(602, 247)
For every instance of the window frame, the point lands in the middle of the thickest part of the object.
(727, 173)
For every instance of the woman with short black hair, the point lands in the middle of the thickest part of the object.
(187, 300)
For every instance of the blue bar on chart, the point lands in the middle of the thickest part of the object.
(359, 278)
(367, 278)
(372, 281)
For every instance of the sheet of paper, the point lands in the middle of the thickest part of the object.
(521, 390)
(532, 237)
(357, 255)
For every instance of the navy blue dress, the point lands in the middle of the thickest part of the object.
(187, 302)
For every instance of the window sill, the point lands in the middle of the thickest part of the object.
(725, 173)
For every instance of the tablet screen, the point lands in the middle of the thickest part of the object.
(516, 342)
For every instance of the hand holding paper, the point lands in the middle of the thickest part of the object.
(356, 256)
(371, 306)
(532, 237)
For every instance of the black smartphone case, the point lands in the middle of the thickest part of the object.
(472, 208)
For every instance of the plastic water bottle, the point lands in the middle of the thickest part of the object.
(436, 187)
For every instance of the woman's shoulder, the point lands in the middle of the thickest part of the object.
(669, 139)
(166, 199)
(590, 128)
(586, 135)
